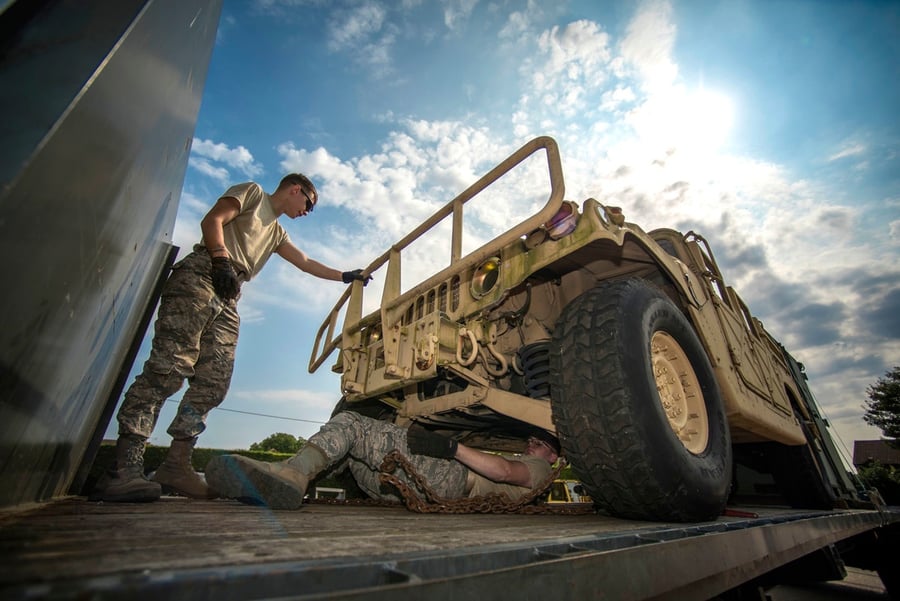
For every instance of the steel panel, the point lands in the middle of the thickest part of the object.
(100, 101)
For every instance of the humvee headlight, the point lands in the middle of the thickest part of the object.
(563, 223)
(371, 335)
(485, 277)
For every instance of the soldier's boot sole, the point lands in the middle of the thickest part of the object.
(256, 482)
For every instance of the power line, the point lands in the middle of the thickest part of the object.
(292, 419)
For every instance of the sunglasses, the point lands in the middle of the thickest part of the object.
(538, 442)
(310, 205)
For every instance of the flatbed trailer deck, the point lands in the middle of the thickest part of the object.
(63, 377)
(188, 549)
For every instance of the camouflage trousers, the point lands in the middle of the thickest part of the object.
(363, 442)
(195, 338)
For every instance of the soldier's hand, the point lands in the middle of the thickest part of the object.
(422, 442)
(224, 279)
(356, 274)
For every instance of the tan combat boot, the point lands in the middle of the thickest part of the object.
(177, 475)
(126, 483)
(280, 485)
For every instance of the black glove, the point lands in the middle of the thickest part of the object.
(422, 442)
(224, 279)
(356, 274)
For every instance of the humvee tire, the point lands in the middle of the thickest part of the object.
(637, 407)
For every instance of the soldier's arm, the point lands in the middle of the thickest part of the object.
(494, 467)
(301, 261)
(225, 209)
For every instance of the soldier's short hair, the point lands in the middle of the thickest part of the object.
(293, 179)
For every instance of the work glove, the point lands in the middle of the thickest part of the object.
(356, 274)
(423, 442)
(224, 279)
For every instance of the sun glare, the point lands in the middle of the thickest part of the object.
(696, 120)
(708, 119)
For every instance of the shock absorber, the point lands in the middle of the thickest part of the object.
(534, 360)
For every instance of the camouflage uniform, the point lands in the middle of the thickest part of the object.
(195, 339)
(364, 442)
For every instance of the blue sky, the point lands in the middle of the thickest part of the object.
(769, 127)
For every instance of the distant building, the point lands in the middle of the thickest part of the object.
(865, 451)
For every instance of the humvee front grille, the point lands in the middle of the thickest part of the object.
(444, 298)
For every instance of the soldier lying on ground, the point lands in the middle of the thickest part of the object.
(451, 469)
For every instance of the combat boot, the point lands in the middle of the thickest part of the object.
(279, 485)
(126, 483)
(177, 475)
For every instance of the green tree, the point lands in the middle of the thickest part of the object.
(885, 478)
(279, 442)
(883, 405)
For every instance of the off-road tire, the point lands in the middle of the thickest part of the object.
(608, 411)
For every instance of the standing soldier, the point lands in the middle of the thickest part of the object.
(196, 333)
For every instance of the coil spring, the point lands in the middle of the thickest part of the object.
(535, 362)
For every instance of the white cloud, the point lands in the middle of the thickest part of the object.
(570, 66)
(416, 172)
(457, 11)
(517, 23)
(378, 54)
(365, 33)
(352, 29)
(614, 100)
(851, 149)
(204, 166)
(647, 46)
(204, 153)
(574, 51)
(390, 193)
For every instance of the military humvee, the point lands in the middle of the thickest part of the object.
(629, 345)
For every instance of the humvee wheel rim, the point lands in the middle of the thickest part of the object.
(679, 392)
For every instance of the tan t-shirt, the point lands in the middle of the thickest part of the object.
(538, 466)
(255, 233)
